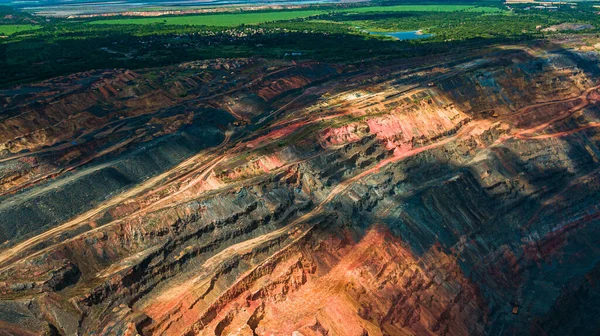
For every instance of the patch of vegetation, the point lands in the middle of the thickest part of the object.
(424, 8)
(448, 26)
(6, 30)
(216, 20)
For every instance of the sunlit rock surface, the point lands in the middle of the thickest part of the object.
(455, 195)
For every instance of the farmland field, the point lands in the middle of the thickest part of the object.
(424, 8)
(218, 20)
(11, 29)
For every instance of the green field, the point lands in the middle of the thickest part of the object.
(11, 29)
(424, 8)
(219, 20)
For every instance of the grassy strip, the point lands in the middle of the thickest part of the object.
(217, 20)
(423, 8)
(11, 29)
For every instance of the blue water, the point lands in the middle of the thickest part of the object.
(404, 35)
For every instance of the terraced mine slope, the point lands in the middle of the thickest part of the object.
(455, 195)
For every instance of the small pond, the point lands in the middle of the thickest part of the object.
(404, 35)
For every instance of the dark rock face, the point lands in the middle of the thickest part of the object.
(306, 199)
(63, 277)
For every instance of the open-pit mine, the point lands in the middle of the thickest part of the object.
(455, 194)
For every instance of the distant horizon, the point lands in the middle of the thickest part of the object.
(83, 7)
